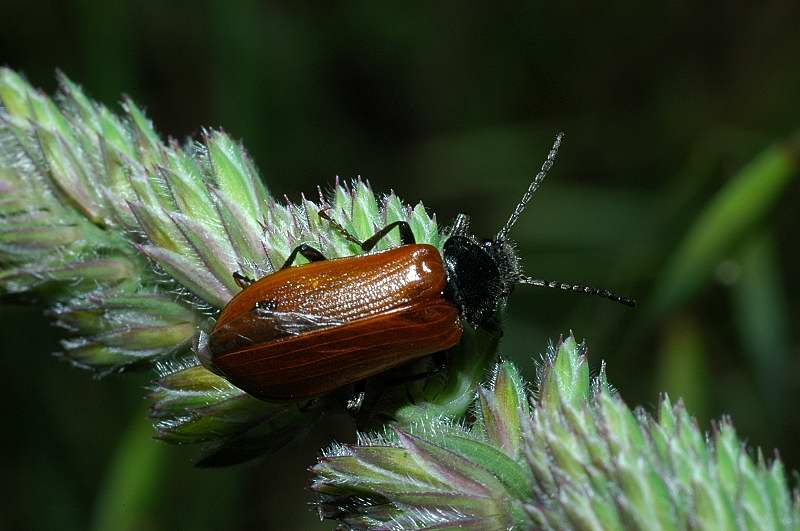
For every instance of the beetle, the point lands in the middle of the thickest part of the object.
(304, 331)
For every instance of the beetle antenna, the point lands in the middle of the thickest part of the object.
(338, 226)
(578, 288)
(537, 181)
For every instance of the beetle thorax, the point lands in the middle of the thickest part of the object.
(481, 276)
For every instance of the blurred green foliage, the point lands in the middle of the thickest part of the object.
(676, 184)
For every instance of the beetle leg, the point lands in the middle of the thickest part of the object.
(440, 365)
(336, 225)
(241, 280)
(414, 377)
(308, 252)
(357, 400)
(406, 234)
(440, 361)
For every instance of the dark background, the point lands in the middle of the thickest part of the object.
(456, 106)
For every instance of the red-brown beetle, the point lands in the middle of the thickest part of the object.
(304, 331)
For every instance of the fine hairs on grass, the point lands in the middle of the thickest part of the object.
(132, 240)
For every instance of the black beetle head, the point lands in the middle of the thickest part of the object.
(482, 274)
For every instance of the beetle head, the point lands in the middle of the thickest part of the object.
(482, 274)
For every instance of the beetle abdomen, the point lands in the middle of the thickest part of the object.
(348, 288)
(304, 331)
(315, 363)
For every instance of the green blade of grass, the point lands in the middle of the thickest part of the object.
(131, 490)
(762, 316)
(735, 210)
